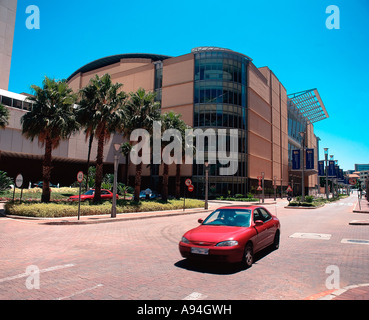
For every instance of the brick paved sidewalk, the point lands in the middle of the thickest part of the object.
(362, 207)
(354, 292)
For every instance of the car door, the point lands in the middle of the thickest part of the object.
(269, 226)
(261, 239)
(105, 194)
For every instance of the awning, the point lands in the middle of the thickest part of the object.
(310, 104)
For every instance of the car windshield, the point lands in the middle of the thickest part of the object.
(89, 192)
(229, 217)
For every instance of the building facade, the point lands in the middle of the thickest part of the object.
(361, 167)
(8, 10)
(211, 88)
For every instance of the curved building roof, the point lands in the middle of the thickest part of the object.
(210, 49)
(103, 62)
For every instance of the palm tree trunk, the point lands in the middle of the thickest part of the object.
(164, 191)
(46, 171)
(99, 166)
(178, 181)
(138, 182)
(88, 156)
(127, 167)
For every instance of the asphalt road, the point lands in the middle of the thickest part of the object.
(140, 259)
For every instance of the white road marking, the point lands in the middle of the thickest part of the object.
(23, 275)
(318, 236)
(195, 296)
(355, 241)
(80, 292)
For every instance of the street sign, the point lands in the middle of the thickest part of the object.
(352, 181)
(259, 188)
(321, 168)
(188, 182)
(309, 159)
(19, 180)
(80, 176)
(289, 189)
(331, 168)
(191, 188)
(296, 165)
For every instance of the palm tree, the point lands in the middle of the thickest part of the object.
(101, 113)
(172, 120)
(125, 149)
(4, 116)
(184, 146)
(141, 111)
(51, 120)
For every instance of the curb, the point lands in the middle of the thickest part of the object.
(120, 217)
(301, 207)
(338, 292)
(359, 223)
(359, 211)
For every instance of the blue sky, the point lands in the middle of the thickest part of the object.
(290, 37)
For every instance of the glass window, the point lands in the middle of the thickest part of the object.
(6, 101)
(265, 216)
(229, 217)
(17, 104)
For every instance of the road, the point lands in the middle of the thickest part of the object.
(136, 260)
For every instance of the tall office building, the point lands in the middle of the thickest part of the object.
(8, 10)
(212, 88)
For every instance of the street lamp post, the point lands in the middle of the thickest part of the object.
(206, 184)
(326, 172)
(302, 134)
(262, 186)
(116, 158)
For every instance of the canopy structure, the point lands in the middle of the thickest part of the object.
(310, 104)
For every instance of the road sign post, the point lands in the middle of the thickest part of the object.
(79, 179)
(262, 174)
(18, 184)
(190, 188)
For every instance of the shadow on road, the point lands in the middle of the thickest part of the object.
(213, 267)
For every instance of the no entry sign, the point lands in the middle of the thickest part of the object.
(191, 188)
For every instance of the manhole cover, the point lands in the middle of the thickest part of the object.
(317, 236)
(357, 241)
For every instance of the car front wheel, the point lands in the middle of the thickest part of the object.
(248, 256)
(276, 241)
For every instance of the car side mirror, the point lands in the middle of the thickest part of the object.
(200, 220)
(259, 223)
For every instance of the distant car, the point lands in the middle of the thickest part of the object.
(89, 195)
(39, 184)
(152, 195)
(232, 234)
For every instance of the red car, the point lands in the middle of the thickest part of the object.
(232, 234)
(89, 195)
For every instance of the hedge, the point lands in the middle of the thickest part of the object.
(57, 210)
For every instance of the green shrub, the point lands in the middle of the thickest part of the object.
(5, 181)
(55, 210)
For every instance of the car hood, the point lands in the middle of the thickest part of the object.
(214, 234)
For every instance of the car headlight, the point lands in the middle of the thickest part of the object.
(228, 243)
(185, 240)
